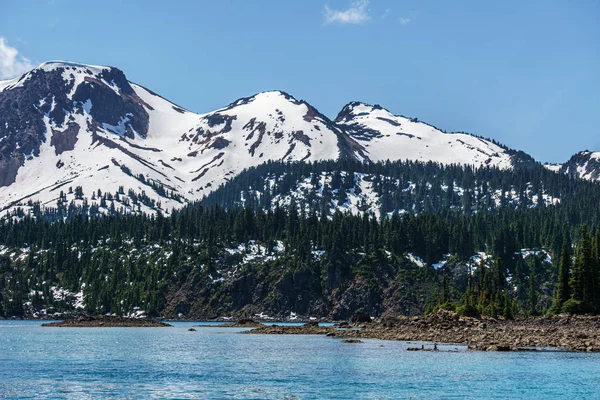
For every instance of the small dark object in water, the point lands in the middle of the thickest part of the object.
(527, 349)
(191, 330)
(418, 349)
(352, 341)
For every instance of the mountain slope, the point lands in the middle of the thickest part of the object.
(267, 126)
(383, 189)
(387, 136)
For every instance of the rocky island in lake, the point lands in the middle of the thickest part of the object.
(107, 321)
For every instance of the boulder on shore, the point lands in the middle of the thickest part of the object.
(361, 318)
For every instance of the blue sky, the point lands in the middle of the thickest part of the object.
(526, 73)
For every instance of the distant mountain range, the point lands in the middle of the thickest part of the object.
(72, 132)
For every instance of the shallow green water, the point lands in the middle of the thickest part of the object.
(222, 363)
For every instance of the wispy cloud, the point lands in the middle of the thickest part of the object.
(356, 14)
(12, 64)
(405, 20)
(386, 13)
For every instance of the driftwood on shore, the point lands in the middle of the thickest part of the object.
(573, 333)
(107, 321)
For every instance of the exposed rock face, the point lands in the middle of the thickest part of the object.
(111, 108)
(9, 166)
(256, 291)
(357, 297)
(65, 140)
(335, 294)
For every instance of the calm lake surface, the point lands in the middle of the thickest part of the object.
(38, 362)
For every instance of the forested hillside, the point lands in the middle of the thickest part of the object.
(486, 241)
(382, 189)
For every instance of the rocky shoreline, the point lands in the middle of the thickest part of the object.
(242, 323)
(558, 332)
(107, 321)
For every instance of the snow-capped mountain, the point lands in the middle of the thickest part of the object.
(581, 165)
(267, 126)
(82, 133)
(386, 136)
(64, 125)
(584, 165)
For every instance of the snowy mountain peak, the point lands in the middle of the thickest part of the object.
(357, 108)
(387, 136)
(72, 73)
(267, 126)
(56, 64)
(269, 99)
(56, 107)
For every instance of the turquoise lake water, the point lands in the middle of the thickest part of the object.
(38, 362)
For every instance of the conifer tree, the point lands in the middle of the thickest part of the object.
(595, 273)
(508, 314)
(533, 296)
(562, 291)
(581, 270)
